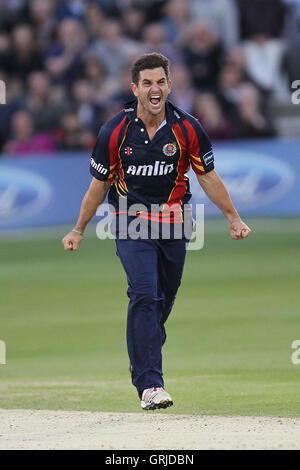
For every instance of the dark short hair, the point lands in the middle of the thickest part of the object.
(149, 61)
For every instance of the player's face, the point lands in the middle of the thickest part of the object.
(152, 90)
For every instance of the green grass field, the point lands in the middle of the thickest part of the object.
(228, 352)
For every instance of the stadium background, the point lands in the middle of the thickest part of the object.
(66, 66)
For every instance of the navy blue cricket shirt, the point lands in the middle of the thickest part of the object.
(150, 171)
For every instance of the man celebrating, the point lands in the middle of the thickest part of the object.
(142, 155)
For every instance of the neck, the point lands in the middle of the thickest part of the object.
(150, 120)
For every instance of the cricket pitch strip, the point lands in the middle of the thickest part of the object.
(39, 429)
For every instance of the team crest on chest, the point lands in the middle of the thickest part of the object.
(169, 149)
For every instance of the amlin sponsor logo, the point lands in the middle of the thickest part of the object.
(22, 194)
(252, 179)
(98, 167)
(158, 169)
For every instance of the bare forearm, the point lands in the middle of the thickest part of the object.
(216, 191)
(94, 196)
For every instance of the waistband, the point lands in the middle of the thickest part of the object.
(170, 214)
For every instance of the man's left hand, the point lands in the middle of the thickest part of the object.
(239, 230)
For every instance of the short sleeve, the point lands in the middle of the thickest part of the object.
(103, 160)
(200, 149)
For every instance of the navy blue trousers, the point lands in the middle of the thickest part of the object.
(154, 270)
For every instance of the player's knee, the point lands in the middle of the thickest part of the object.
(143, 286)
(143, 294)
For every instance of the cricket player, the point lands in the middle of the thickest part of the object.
(142, 156)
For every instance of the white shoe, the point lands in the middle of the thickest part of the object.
(156, 397)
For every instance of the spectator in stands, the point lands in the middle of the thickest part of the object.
(292, 36)
(215, 123)
(261, 26)
(236, 56)
(175, 20)
(25, 140)
(94, 70)
(94, 20)
(41, 14)
(64, 59)
(88, 110)
(25, 56)
(253, 123)
(182, 92)
(202, 54)
(14, 97)
(133, 20)
(154, 39)
(72, 135)
(45, 111)
(221, 16)
(124, 94)
(114, 50)
(230, 79)
(5, 51)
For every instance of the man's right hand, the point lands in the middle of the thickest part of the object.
(71, 241)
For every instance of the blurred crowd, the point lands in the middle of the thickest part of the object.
(66, 65)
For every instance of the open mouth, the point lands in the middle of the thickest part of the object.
(155, 100)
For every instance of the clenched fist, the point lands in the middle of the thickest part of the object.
(71, 241)
(239, 230)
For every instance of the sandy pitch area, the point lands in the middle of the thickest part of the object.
(37, 429)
